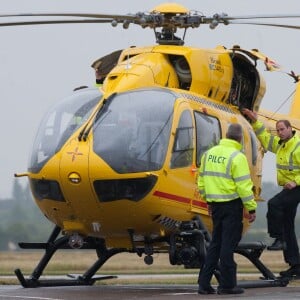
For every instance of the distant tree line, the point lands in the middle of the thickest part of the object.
(22, 221)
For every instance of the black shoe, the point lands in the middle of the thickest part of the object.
(235, 290)
(278, 244)
(292, 271)
(206, 291)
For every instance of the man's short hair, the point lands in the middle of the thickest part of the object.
(235, 132)
(286, 123)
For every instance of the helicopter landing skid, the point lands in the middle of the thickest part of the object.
(75, 281)
(52, 245)
(289, 278)
(252, 251)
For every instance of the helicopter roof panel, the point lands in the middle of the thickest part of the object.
(170, 8)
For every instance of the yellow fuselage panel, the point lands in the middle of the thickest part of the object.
(143, 70)
(295, 107)
(211, 71)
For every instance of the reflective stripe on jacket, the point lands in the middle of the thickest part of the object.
(287, 154)
(224, 175)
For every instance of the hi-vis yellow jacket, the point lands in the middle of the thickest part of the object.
(224, 175)
(287, 154)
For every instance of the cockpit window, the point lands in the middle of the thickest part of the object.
(59, 123)
(132, 130)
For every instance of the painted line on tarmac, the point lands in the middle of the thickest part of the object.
(27, 297)
(180, 294)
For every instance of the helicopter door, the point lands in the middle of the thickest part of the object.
(175, 187)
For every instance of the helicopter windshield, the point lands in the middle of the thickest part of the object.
(132, 131)
(59, 123)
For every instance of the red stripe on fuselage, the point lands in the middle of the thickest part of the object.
(180, 199)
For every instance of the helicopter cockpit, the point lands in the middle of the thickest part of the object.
(123, 120)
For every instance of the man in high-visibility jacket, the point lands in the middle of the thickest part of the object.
(282, 208)
(224, 183)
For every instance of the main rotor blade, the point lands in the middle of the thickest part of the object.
(282, 16)
(132, 17)
(267, 24)
(22, 23)
(152, 20)
(252, 17)
(86, 15)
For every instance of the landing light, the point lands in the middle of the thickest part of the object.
(74, 178)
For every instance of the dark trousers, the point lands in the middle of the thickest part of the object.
(282, 209)
(227, 220)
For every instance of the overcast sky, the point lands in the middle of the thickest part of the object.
(40, 65)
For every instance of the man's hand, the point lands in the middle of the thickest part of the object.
(250, 114)
(290, 185)
(251, 217)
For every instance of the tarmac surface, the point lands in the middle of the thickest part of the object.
(124, 292)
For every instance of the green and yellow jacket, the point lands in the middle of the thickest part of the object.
(287, 153)
(224, 175)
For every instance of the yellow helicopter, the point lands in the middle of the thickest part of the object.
(114, 168)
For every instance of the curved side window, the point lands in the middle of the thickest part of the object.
(60, 123)
(182, 155)
(208, 133)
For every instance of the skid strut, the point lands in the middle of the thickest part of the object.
(51, 246)
(252, 251)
